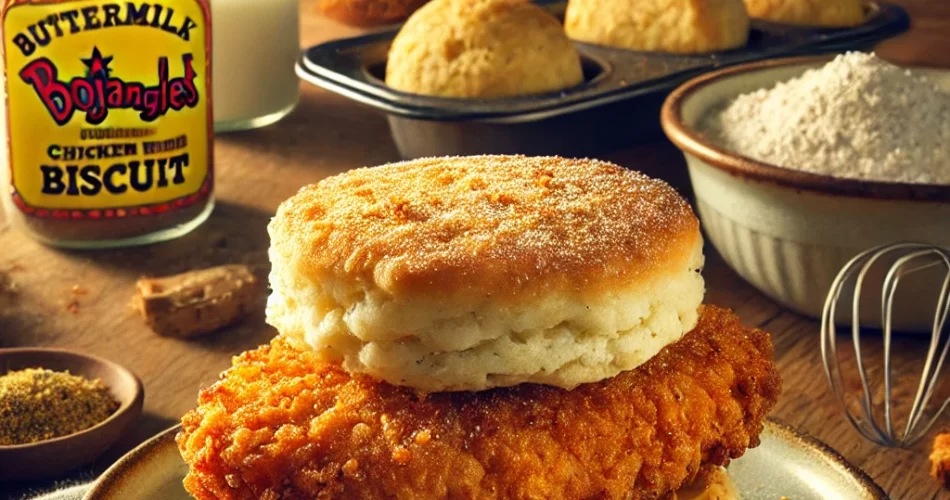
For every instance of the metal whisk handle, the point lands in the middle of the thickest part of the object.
(909, 258)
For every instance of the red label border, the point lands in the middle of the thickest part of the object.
(115, 213)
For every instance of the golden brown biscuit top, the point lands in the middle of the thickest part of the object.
(485, 226)
(676, 26)
(482, 49)
(830, 13)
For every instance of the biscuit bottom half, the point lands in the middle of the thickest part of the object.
(282, 424)
(436, 345)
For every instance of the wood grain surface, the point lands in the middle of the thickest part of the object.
(328, 134)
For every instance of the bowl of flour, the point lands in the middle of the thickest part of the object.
(800, 164)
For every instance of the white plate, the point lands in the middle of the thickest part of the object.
(785, 464)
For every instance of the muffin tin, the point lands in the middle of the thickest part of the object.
(617, 105)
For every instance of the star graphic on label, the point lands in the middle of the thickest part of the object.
(98, 64)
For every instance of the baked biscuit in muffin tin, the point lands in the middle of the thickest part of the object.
(616, 105)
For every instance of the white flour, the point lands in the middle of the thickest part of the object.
(856, 117)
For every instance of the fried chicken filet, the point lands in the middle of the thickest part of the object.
(281, 424)
(485, 327)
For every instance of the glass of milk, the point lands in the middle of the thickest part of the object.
(255, 44)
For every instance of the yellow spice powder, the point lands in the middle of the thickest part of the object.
(38, 404)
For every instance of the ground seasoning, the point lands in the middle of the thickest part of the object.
(38, 404)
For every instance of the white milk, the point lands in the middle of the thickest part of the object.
(255, 44)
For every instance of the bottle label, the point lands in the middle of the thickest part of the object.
(108, 106)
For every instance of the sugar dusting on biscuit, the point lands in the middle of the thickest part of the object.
(477, 272)
(502, 218)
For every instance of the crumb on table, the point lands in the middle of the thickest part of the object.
(197, 302)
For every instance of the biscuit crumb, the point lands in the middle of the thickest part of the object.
(196, 302)
(351, 466)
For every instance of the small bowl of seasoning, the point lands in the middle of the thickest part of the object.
(799, 164)
(61, 409)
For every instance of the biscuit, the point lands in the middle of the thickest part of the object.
(482, 49)
(676, 26)
(828, 13)
(477, 272)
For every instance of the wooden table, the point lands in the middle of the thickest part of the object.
(328, 134)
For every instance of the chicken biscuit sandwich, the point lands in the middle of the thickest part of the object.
(493, 327)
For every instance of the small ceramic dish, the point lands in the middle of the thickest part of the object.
(789, 232)
(58, 455)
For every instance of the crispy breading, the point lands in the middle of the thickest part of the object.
(281, 425)
(940, 459)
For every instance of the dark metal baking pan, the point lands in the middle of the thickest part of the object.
(617, 105)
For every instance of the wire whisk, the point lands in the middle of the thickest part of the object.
(908, 258)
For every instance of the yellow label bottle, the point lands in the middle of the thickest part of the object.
(108, 119)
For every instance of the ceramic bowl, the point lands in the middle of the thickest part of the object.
(55, 456)
(789, 232)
